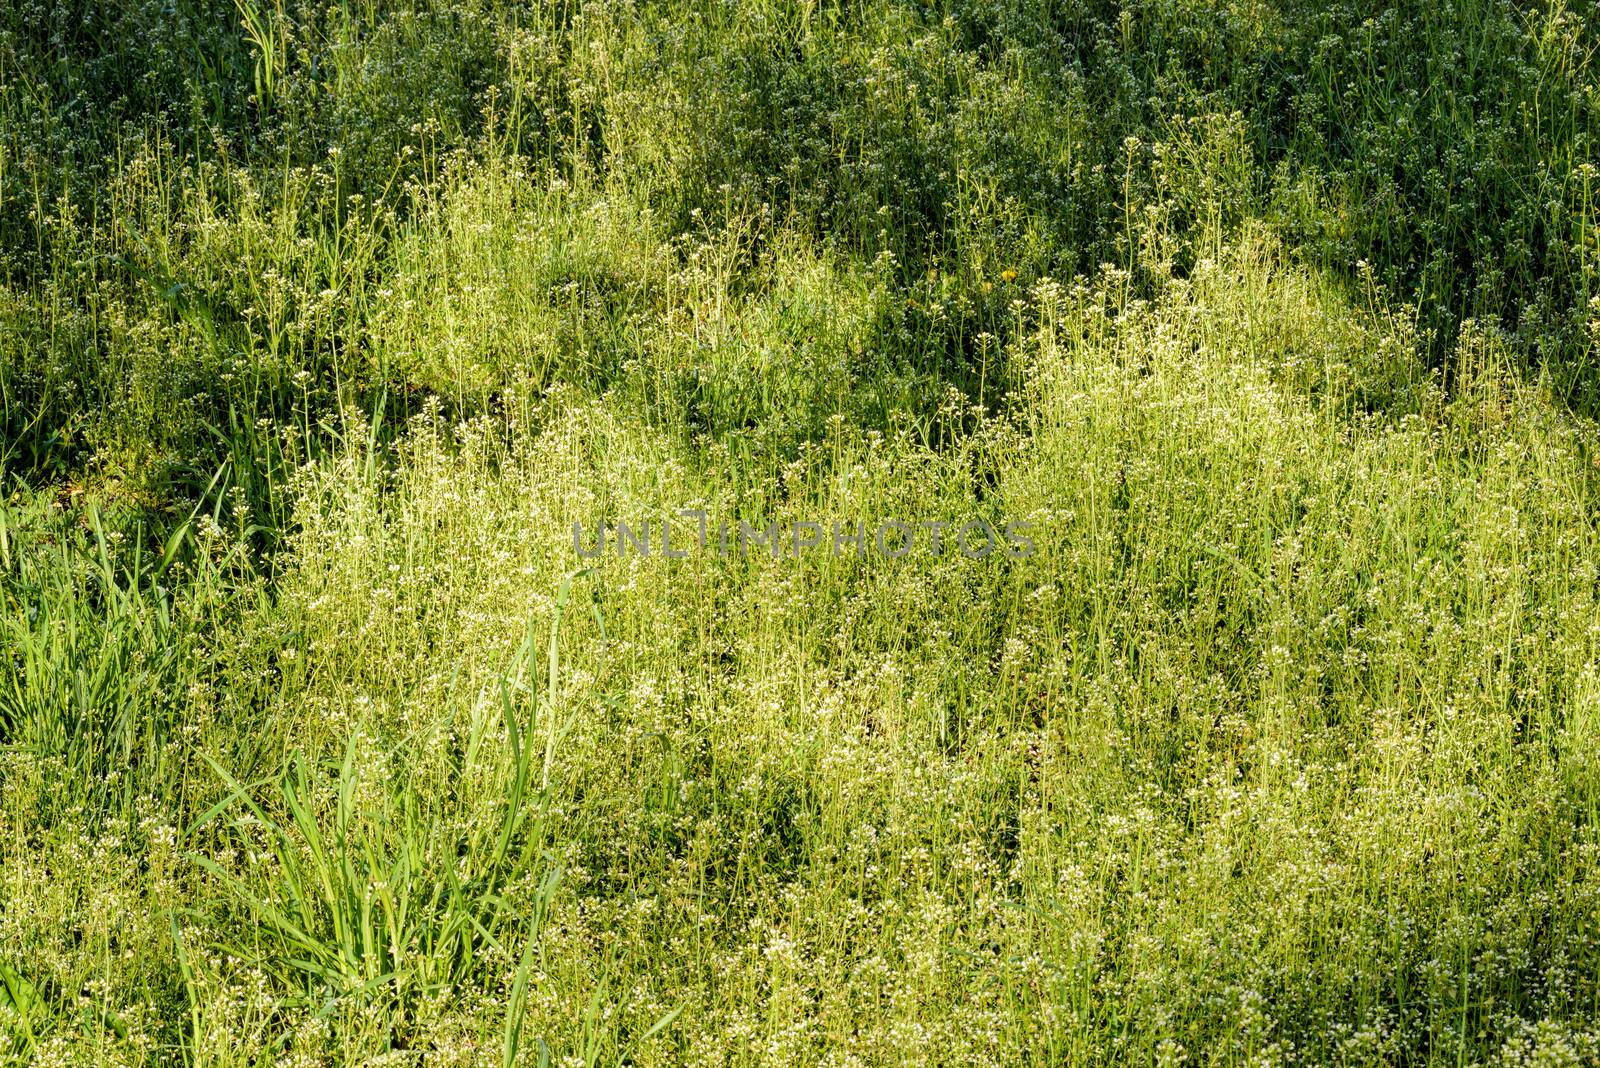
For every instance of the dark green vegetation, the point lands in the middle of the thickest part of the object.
(320, 324)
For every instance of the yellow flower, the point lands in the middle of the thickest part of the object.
(1008, 275)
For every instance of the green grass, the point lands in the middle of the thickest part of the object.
(322, 324)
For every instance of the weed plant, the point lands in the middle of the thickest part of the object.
(323, 323)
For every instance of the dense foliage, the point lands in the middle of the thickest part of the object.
(322, 323)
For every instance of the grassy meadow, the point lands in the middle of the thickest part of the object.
(1275, 323)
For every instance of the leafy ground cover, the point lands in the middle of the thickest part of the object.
(1274, 324)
